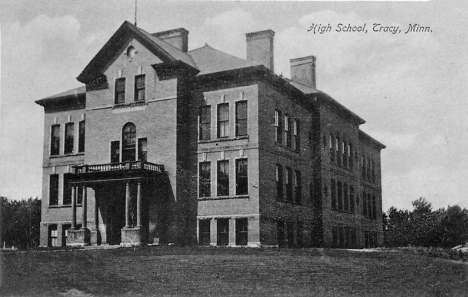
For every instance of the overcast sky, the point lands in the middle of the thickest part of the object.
(410, 88)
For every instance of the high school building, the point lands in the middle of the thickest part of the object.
(165, 145)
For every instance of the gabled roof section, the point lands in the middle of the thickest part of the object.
(210, 60)
(165, 51)
(77, 93)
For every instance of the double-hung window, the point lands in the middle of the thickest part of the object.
(115, 151)
(205, 179)
(241, 177)
(278, 127)
(67, 193)
(298, 189)
(53, 189)
(140, 88)
(223, 178)
(69, 137)
(241, 118)
(332, 151)
(279, 182)
(55, 140)
(81, 136)
(287, 130)
(297, 136)
(205, 122)
(223, 120)
(289, 196)
(142, 149)
(119, 91)
(333, 194)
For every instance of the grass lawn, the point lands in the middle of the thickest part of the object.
(229, 271)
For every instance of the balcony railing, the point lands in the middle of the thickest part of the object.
(123, 166)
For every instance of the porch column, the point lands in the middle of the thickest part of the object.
(139, 204)
(73, 226)
(85, 209)
(96, 213)
(127, 204)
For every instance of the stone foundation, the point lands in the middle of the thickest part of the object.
(131, 236)
(80, 237)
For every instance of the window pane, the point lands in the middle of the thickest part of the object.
(119, 91)
(115, 152)
(241, 118)
(242, 231)
(223, 231)
(128, 142)
(223, 120)
(205, 122)
(142, 149)
(69, 138)
(204, 232)
(279, 182)
(279, 127)
(67, 193)
(223, 178)
(53, 189)
(298, 187)
(288, 184)
(140, 87)
(81, 137)
(55, 140)
(241, 177)
(205, 179)
(333, 194)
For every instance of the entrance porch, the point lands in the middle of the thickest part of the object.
(121, 197)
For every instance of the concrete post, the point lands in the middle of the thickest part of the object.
(127, 204)
(73, 226)
(139, 204)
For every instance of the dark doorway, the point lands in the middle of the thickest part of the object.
(112, 205)
(223, 232)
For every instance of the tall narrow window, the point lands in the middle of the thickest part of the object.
(364, 204)
(223, 178)
(79, 195)
(287, 130)
(288, 178)
(374, 207)
(373, 171)
(223, 231)
(242, 231)
(344, 158)
(67, 193)
(368, 175)
(337, 149)
(53, 235)
(204, 232)
(241, 118)
(346, 197)
(333, 194)
(128, 142)
(205, 179)
(280, 233)
(350, 156)
(279, 182)
(115, 151)
(332, 151)
(278, 127)
(340, 196)
(345, 154)
(53, 189)
(55, 140)
(119, 91)
(298, 189)
(242, 187)
(69, 137)
(223, 120)
(351, 199)
(142, 149)
(205, 123)
(140, 88)
(297, 136)
(369, 205)
(363, 168)
(81, 136)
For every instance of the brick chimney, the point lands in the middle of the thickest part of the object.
(260, 48)
(303, 71)
(177, 38)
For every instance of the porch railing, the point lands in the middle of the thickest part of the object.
(122, 166)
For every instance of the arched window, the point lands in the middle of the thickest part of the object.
(128, 142)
